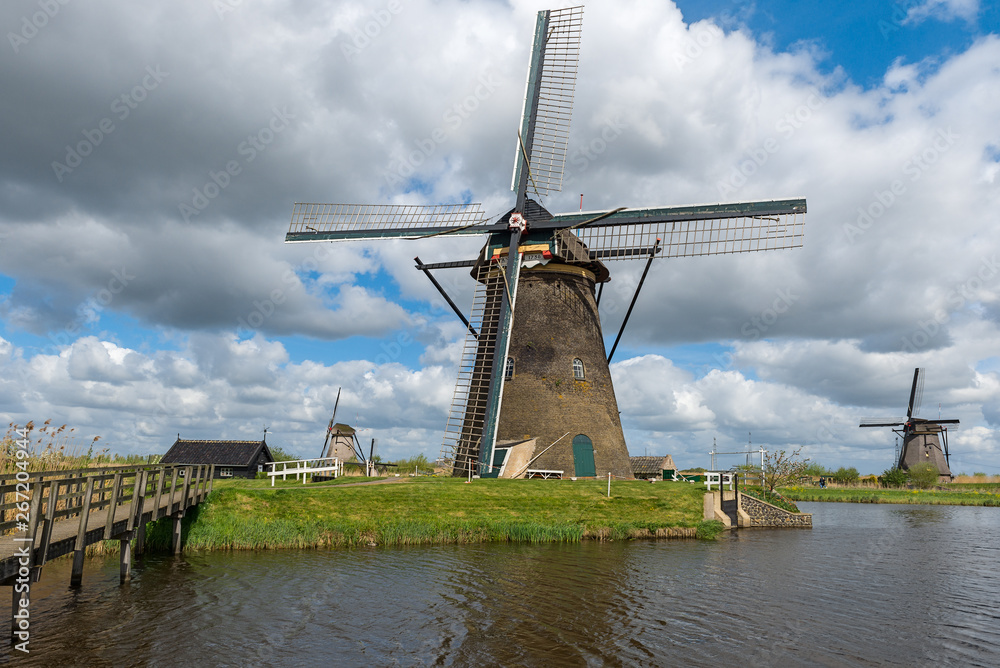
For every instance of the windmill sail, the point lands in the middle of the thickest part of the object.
(345, 222)
(548, 102)
(916, 393)
(686, 231)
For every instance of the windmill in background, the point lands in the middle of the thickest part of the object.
(540, 371)
(923, 440)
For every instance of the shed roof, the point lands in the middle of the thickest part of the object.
(220, 453)
(651, 465)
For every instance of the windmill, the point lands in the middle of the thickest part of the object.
(327, 450)
(923, 440)
(540, 371)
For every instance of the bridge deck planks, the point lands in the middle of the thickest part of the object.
(64, 531)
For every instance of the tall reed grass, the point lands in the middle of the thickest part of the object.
(52, 448)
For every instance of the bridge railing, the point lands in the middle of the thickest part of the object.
(56, 495)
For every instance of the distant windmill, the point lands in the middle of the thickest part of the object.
(550, 355)
(922, 439)
(327, 449)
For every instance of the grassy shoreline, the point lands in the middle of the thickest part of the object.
(251, 515)
(967, 495)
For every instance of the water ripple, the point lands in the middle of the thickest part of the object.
(869, 585)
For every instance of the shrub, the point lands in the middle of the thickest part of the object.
(845, 476)
(923, 475)
(894, 477)
(979, 474)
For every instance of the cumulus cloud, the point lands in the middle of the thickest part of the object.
(158, 151)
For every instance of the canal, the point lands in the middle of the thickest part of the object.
(869, 585)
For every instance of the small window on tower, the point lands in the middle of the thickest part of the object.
(578, 369)
(509, 370)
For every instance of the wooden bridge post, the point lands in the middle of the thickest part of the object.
(175, 541)
(50, 520)
(187, 487)
(196, 491)
(126, 556)
(160, 473)
(173, 490)
(27, 572)
(211, 477)
(15, 606)
(140, 526)
(76, 577)
(135, 506)
(115, 489)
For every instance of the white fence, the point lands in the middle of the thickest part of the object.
(719, 478)
(305, 467)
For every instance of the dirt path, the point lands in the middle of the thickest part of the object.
(372, 482)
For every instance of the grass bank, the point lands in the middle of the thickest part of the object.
(252, 515)
(962, 496)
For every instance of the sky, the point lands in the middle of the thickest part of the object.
(152, 152)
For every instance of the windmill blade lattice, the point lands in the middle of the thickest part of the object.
(552, 77)
(691, 231)
(345, 222)
(916, 392)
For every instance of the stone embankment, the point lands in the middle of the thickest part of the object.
(762, 514)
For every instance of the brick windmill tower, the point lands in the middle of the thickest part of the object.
(535, 364)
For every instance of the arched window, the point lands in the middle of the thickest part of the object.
(578, 373)
(508, 372)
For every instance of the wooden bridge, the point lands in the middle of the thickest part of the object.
(49, 514)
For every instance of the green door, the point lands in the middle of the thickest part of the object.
(583, 457)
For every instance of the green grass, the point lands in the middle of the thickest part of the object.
(965, 495)
(249, 514)
(774, 498)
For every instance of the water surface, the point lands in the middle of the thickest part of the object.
(868, 585)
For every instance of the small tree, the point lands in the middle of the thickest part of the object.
(893, 477)
(280, 455)
(781, 468)
(923, 475)
(845, 476)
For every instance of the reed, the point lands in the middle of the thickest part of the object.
(52, 448)
(939, 496)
